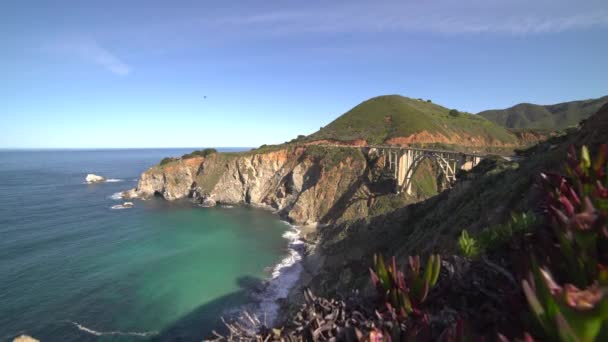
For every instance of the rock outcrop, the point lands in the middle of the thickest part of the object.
(25, 338)
(306, 185)
(92, 178)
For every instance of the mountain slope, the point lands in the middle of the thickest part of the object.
(550, 117)
(481, 199)
(396, 119)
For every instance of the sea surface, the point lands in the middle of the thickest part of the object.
(74, 269)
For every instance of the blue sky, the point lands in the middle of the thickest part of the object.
(86, 74)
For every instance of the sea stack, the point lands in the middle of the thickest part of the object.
(92, 178)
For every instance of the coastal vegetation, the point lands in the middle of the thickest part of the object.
(332, 156)
(382, 118)
(200, 153)
(197, 153)
(167, 160)
(568, 295)
(495, 236)
(468, 245)
(545, 117)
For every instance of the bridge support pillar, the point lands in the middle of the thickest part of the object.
(406, 159)
(402, 163)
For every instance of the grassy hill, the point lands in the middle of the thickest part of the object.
(382, 118)
(551, 117)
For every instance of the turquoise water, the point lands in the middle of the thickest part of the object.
(73, 269)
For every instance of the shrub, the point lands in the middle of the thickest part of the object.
(200, 153)
(454, 113)
(167, 160)
(494, 236)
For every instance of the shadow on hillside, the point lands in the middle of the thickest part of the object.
(361, 190)
(345, 201)
(199, 323)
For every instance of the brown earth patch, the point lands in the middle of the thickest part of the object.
(356, 142)
(425, 137)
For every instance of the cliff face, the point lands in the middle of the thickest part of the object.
(480, 199)
(171, 181)
(306, 185)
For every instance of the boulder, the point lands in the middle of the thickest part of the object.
(129, 194)
(208, 202)
(25, 338)
(91, 178)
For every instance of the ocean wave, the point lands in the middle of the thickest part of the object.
(121, 333)
(285, 274)
(116, 196)
(113, 180)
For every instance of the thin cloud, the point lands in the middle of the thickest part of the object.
(443, 17)
(91, 51)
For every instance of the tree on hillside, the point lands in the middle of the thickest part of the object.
(454, 112)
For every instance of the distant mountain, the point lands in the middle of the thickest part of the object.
(550, 117)
(394, 119)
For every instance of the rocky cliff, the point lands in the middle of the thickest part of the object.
(306, 184)
(480, 199)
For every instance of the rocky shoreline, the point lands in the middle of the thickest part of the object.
(315, 188)
(326, 192)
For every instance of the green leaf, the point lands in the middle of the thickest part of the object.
(382, 272)
(534, 303)
(564, 330)
(436, 270)
(428, 270)
(585, 158)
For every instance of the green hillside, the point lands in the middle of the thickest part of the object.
(385, 117)
(551, 117)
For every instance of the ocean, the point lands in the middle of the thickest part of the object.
(74, 269)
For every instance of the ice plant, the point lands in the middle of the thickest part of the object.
(468, 245)
(405, 296)
(566, 313)
(577, 208)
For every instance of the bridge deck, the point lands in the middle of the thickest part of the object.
(393, 147)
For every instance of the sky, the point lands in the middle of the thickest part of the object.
(117, 74)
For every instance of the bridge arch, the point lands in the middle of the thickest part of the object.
(403, 161)
(446, 171)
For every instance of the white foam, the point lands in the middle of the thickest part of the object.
(285, 274)
(116, 196)
(122, 333)
(227, 206)
(118, 207)
(113, 180)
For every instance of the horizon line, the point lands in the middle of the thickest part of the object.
(115, 148)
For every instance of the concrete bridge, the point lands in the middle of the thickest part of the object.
(402, 163)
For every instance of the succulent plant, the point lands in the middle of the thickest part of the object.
(468, 245)
(577, 208)
(401, 295)
(566, 313)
